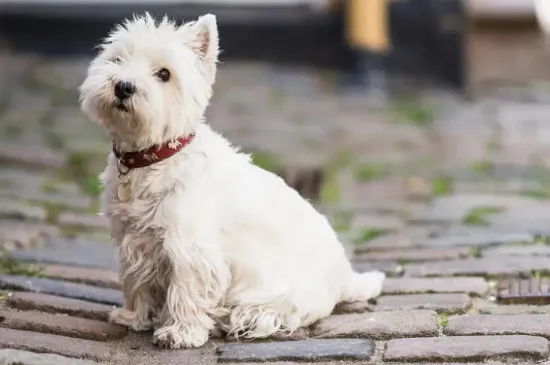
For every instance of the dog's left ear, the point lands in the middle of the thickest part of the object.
(205, 40)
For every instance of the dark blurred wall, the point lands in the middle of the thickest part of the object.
(426, 35)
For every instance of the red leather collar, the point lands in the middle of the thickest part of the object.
(134, 160)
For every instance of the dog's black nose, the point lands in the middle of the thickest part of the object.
(123, 90)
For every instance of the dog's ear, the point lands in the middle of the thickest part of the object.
(205, 40)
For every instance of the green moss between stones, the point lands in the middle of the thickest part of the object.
(477, 215)
(370, 234)
(9, 266)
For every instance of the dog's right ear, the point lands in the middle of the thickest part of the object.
(204, 38)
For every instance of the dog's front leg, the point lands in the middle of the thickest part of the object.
(135, 277)
(198, 281)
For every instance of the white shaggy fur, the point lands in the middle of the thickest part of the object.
(208, 240)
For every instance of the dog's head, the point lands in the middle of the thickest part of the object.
(152, 81)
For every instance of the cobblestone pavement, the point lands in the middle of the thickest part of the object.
(446, 196)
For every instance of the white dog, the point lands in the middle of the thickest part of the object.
(207, 240)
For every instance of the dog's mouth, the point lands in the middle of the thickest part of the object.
(121, 107)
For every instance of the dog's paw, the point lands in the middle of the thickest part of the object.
(134, 320)
(176, 337)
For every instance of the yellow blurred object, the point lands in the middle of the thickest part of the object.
(367, 25)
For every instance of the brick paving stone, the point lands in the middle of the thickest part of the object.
(8, 357)
(21, 211)
(63, 289)
(86, 221)
(388, 267)
(54, 344)
(73, 252)
(506, 265)
(307, 350)
(481, 239)
(418, 254)
(34, 156)
(85, 275)
(442, 303)
(379, 326)
(372, 221)
(521, 324)
(62, 324)
(409, 237)
(18, 235)
(466, 348)
(40, 198)
(54, 304)
(472, 286)
(518, 250)
(454, 208)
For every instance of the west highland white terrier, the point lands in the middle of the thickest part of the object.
(207, 241)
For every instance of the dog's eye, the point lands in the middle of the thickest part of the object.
(163, 74)
(117, 60)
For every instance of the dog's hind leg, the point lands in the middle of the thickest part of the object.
(261, 320)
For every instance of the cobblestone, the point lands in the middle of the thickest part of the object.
(69, 219)
(307, 350)
(33, 156)
(441, 303)
(21, 211)
(413, 255)
(75, 252)
(536, 325)
(25, 235)
(54, 344)
(506, 265)
(379, 326)
(63, 325)
(472, 286)
(55, 304)
(466, 348)
(63, 289)
(9, 357)
(84, 275)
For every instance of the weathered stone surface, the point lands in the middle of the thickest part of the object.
(30, 155)
(454, 208)
(70, 219)
(372, 221)
(388, 267)
(17, 210)
(54, 304)
(466, 348)
(485, 306)
(480, 239)
(9, 357)
(54, 344)
(379, 326)
(74, 252)
(307, 350)
(85, 275)
(475, 286)
(61, 288)
(506, 265)
(518, 250)
(406, 238)
(61, 324)
(527, 324)
(18, 235)
(419, 254)
(441, 303)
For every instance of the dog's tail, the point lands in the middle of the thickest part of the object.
(364, 286)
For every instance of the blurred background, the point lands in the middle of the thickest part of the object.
(370, 108)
